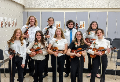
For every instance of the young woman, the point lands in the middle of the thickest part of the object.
(90, 34)
(77, 63)
(17, 58)
(100, 42)
(39, 55)
(60, 42)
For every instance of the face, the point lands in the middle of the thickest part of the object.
(70, 25)
(94, 25)
(50, 21)
(38, 36)
(58, 32)
(78, 35)
(18, 34)
(32, 20)
(99, 34)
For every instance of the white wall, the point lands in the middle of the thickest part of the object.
(13, 10)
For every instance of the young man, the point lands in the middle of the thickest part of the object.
(69, 35)
(49, 33)
(32, 27)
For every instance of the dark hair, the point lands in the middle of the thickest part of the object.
(69, 21)
(99, 29)
(50, 18)
(90, 27)
(81, 40)
(42, 38)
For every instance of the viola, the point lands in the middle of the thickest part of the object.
(88, 40)
(102, 49)
(35, 50)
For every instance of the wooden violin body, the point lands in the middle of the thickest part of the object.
(35, 50)
(11, 52)
(79, 50)
(88, 40)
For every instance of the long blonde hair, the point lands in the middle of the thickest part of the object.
(14, 37)
(28, 21)
(81, 40)
(62, 35)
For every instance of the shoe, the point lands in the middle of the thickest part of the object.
(66, 75)
(97, 76)
(45, 75)
(88, 75)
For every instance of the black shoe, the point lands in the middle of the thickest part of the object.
(45, 75)
(66, 75)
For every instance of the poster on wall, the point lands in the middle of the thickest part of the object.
(12, 23)
(1, 22)
(82, 24)
(58, 24)
(15, 21)
(5, 22)
(9, 22)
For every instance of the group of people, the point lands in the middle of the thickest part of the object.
(70, 45)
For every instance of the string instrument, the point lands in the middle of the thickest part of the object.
(11, 52)
(47, 31)
(102, 49)
(26, 31)
(79, 50)
(88, 40)
(35, 50)
(77, 26)
(2, 24)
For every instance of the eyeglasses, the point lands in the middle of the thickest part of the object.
(78, 34)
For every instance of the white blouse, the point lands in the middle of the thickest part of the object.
(92, 35)
(99, 43)
(18, 49)
(67, 34)
(37, 56)
(59, 43)
(31, 31)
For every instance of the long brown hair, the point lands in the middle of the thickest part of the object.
(14, 37)
(42, 38)
(28, 21)
(90, 27)
(81, 40)
(62, 35)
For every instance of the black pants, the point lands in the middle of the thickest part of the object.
(39, 67)
(30, 63)
(67, 65)
(60, 63)
(16, 62)
(96, 64)
(77, 65)
(46, 64)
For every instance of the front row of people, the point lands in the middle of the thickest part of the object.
(16, 50)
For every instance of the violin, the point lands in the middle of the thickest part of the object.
(79, 50)
(11, 52)
(55, 49)
(77, 26)
(35, 50)
(26, 32)
(102, 49)
(88, 40)
(47, 31)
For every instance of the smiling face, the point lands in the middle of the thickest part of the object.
(78, 36)
(100, 34)
(58, 32)
(70, 25)
(18, 34)
(94, 25)
(38, 36)
(50, 21)
(32, 21)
